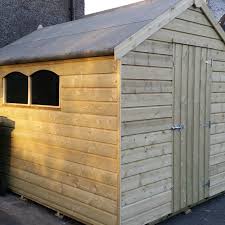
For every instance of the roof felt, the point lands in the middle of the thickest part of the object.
(93, 35)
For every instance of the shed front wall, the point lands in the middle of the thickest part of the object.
(67, 158)
(147, 177)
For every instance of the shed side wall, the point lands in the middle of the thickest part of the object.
(147, 86)
(217, 149)
(67, 159)
(147, 76)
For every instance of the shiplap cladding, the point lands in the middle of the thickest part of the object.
(217, 150)
(147, 114)
(146, 144)
(66, 159)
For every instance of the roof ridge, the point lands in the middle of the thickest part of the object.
(100, 13)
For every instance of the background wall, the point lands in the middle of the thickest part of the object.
(20, 17)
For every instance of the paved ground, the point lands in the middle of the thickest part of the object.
(14, 211)
(209, 213)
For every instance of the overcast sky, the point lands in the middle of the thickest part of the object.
(92, 6)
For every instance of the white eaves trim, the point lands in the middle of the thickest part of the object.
(132, 42)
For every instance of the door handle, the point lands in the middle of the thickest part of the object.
(178, 127)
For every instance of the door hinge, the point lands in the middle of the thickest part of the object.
(207, 184)
(207, 124)
(209, 62)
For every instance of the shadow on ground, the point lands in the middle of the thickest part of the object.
(14, 211)
(209, 213)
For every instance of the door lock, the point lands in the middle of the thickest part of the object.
(178, 127)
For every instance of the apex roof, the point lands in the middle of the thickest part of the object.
(111, 32)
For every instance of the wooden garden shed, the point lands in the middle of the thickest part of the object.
(119, 117)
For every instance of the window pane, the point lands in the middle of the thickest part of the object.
(16, 88)
(45, 88)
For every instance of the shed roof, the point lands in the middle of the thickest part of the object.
(94, 35)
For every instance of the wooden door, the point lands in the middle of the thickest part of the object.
(191, 128)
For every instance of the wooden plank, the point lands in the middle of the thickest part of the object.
(58, 117)
(195, 17)
(145, 205)
(147, 191)
(218, 55)
(218, 87)
(155, 47)
(66, 190)
(145, 86)
(183, 118)
(217, 169)
(89, 94)
(146, 165)
(218, 97)
(68, 167)
(176, 134)
(93, 108)
(143, 179)
(91, 134)
(217, 138)
(217, 159)
(218, 66)
(146, 73)
(137, 154)
(217, 149)
(145, 126)
(188, 39)
(138, 100)
(152, 215)
(218, 117)
(46, 203)
(218, 76)
(140, 140)
(65, 202)
(147, 59)
(85, 184)
(217, 128)
(25, 145)
(196, 125)
(190, 126)
(97, 65)
(91, 147)
(217, 179)
(89, 81)
(192, 28)
(202, 121)
(146, 113)
(217, 189)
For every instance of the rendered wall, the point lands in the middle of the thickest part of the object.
(19, 18)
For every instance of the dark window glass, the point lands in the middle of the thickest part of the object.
(16, 88)
(45, 88)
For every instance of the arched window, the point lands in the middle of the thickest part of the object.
(45, 88)
(16, 88)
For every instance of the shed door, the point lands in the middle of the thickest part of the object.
(191, 125)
